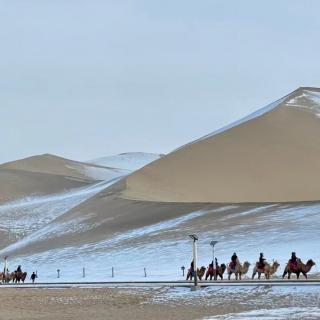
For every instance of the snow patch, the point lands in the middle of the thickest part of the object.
(127, 161)
(307, 100)
(273, 314)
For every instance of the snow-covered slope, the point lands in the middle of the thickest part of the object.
(130, 161)
(162, 248)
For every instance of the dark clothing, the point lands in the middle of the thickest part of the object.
(192, 265)
(216, 263)
(33, 277)
(293, 258)
(261, 259)
(19, 269)
(234, 258)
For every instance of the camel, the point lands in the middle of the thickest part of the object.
(214, 273)
(268, 269)
(239, 270)
(301, 268)
(5, 278)
(200, 273)
(18, 276)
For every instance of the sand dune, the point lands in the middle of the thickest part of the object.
(47, 174)
(51, 164)
(271, 156)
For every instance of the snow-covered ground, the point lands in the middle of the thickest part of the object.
(26, 216)
(295, 313)
(106, 174)
(127, 161)
(163, 248)
(268, 303)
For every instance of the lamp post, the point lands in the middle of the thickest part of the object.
(213, 243)
(183, 268)
(5, 265)
(195, 238)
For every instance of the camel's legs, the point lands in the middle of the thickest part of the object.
(259, 275)
(284, 274)
(253, 275)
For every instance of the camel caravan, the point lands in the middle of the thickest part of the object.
(16, 276)
(215, 271)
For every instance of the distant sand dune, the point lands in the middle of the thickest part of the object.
(46, 174)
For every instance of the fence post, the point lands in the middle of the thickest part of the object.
(83, 272)
(183, 268)
(112, 272)
(58, 271)
(145, 272)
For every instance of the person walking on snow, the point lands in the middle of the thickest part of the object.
(33, 277)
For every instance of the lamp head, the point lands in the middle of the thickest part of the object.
(194, 237)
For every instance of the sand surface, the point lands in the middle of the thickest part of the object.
(273, 157)
(157, 303)
(89, 304)
(17, 184)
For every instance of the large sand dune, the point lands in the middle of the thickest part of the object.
(271, 156)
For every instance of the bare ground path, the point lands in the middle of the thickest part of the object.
(150, 303)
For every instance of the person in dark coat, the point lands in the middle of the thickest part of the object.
(216, 263)
(261, 261)
(33, 277)
(293, 258)
(234, 260)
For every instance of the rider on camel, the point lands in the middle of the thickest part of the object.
(234, 260)
(293, 261)
(19, 268)
(216, 263)
(261, 263)
(192, 266)
(190, 273)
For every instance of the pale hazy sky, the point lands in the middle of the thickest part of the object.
(84, 79)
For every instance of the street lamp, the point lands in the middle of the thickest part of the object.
(195, 238)
(213, 243)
